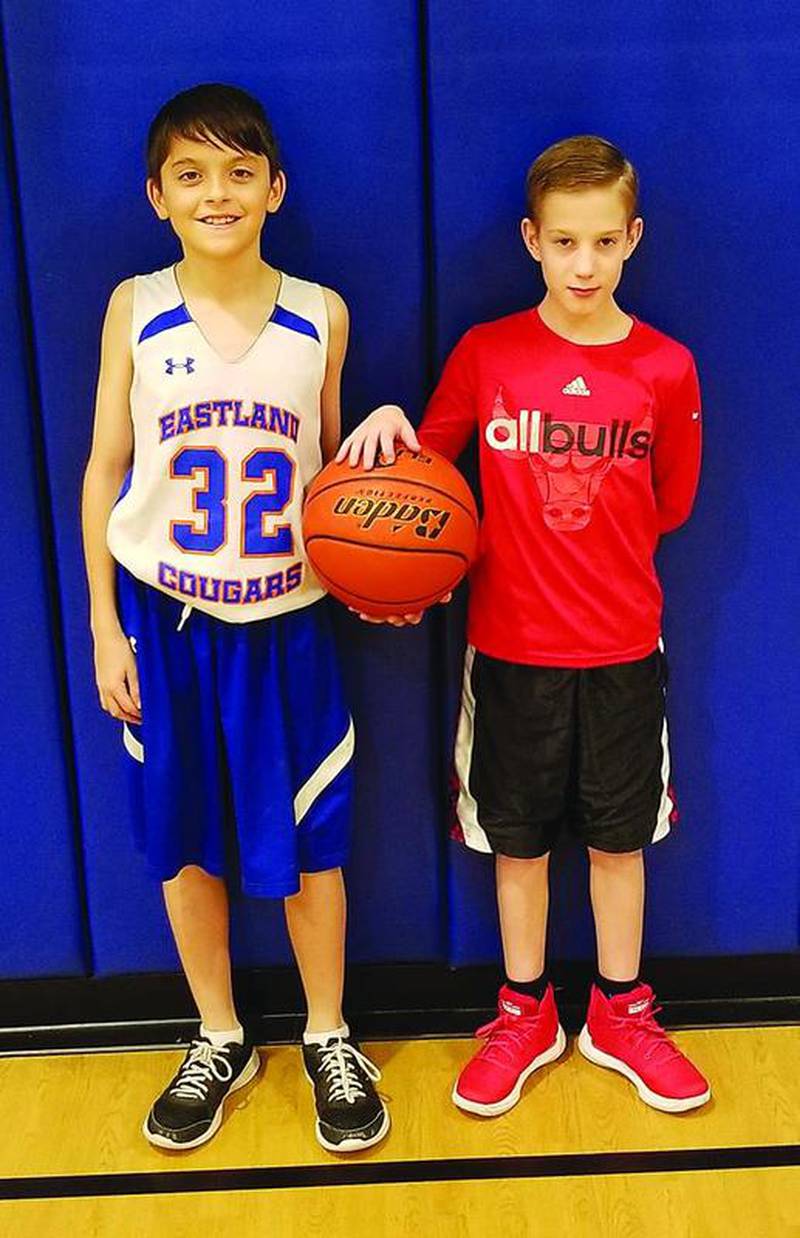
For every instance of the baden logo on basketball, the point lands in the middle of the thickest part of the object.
(366, 511)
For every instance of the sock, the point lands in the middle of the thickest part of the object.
(322, 1038)
(234, 1034)
(612, 988)
(529, 988)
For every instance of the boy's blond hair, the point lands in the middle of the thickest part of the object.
(579, 163)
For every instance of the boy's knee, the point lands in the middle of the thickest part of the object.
(190, 873)
(513, 861)
(321, 879)
(612, 859)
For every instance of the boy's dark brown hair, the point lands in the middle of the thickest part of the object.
(222, 115)
(578, 163)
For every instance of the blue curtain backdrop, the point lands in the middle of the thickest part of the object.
(42, 929)
(407, 129)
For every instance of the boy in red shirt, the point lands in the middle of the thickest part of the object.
(589, 441)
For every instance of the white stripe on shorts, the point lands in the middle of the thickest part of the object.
(667, 805)
(467, 807)
(133, 746)
(324, 774)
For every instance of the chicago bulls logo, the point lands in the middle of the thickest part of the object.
(569, 459)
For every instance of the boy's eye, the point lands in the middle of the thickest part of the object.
(189, 176)
(563, 241)
(608, 240)
(242, 174)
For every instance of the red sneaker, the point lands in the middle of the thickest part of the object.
(525, 1035)
(622, 1033)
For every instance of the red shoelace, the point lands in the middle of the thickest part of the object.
(641, 1027)
(505, 1037)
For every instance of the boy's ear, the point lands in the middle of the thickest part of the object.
(277, 192)
(156, 198)
(635, 230)
(530, 238)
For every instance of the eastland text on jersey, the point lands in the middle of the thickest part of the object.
(229, 413)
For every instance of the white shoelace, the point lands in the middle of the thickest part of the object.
(204, 1063)
(339, 1062)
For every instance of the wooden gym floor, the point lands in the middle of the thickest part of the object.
(579, 1156)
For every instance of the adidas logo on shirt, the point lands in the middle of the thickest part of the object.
(576, 387)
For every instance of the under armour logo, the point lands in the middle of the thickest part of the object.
(187, 365)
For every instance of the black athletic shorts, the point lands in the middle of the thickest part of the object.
(542, 749)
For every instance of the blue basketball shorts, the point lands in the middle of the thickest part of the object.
(243, 762)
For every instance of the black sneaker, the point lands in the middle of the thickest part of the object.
(350, 1114)
(189, 1111)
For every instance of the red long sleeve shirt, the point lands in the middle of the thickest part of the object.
(588, 453)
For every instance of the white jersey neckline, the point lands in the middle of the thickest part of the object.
(243, 356)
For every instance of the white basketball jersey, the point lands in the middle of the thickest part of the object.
(223, 452)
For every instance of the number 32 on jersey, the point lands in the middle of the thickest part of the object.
(210, 501)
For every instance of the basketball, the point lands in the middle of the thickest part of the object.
(393, 539)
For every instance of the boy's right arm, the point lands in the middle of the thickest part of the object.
(109, 461)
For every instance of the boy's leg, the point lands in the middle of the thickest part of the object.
(624, 802)
(350, 1114)
(616, 885)
(221, 1060)
(176, 769)
(289, 745)
(526, 1034)
(316, 918)
(197, 906)
(513, 759)
(523, 897)
(621, 1031)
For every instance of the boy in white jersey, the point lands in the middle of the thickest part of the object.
(220, 385)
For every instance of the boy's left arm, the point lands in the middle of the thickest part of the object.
(676, 450)
(331, 397)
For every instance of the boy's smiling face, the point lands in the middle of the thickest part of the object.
(582, 239)
(215, 197)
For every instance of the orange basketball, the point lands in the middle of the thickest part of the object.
(392, 539)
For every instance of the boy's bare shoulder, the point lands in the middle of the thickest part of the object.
(338, 322)
(119, 312)
(117, 323)
(121, 299)
(336, 306)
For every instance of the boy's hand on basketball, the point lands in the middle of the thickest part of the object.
(117, 677)
(377, 435)
(398, 621)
